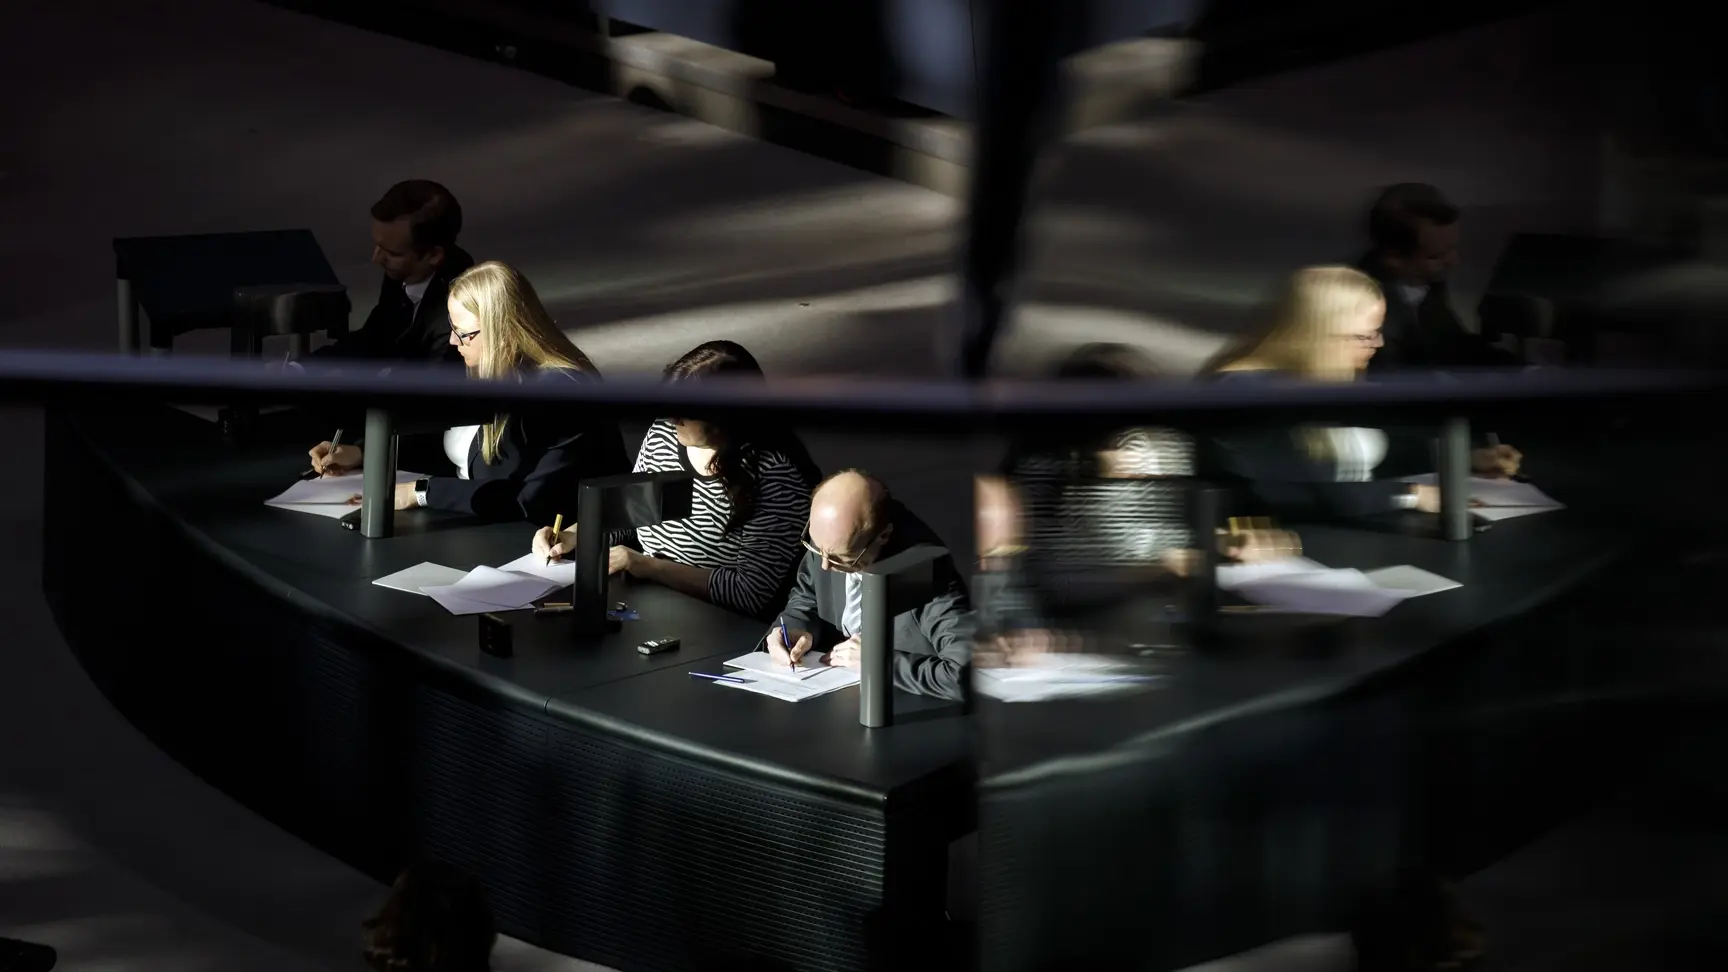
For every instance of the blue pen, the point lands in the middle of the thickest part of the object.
(786, 639)
(721, 678)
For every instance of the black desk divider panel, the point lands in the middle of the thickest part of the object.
(652, 836)
(606, 504)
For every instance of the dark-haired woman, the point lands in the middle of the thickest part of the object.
(741, 544)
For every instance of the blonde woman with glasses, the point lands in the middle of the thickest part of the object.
(513, 467)
(1324, 327)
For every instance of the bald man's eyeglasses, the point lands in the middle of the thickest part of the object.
(847, 564)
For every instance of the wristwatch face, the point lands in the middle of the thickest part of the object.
(421, 485)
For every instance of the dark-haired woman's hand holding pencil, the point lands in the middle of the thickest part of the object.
(553, 543)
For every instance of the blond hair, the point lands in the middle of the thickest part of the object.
(520, 335)
(1310, 312)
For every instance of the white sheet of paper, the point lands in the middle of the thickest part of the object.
(1233, 576)
(1413, 581)
(1348, 593)
(789, 690)
(460, 605)
(562, 573)
(1035, 685)
(421, 575)
(1494, 514)
(1078, 666)
(1496, 494)
(328, 495)
(490, 589)
(758, 663)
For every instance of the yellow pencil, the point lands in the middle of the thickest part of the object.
(557, 531)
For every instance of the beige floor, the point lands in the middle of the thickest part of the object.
(647, 233)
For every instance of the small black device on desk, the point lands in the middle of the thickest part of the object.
(658, 646)
(351, 521)
(495, 636)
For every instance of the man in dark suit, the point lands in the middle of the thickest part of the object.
(855, 523)
(1415, 234)
(414, 229)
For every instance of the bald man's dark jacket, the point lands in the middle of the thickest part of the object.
(932, 643)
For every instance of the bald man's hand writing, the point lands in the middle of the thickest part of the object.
(846, 654)
(777, 649)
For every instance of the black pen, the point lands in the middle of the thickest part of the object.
(335, 443)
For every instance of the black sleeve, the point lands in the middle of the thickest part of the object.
(1276, 478)
(362, 344)
(552, 467)
(950, 625)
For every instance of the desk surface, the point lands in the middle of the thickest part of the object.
(176, 278)
(327, 571)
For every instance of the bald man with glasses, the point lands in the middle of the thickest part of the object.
(853, 524)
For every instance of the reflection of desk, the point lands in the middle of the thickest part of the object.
(1266, 782)
(187, 283)
(618, 809)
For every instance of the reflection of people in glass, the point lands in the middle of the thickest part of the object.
(1326, 327)
(1414, 230)
(1070, 529)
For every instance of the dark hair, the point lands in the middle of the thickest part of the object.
(434, 216)
(1105, 362)
(742, 444)
(1395, 220)
(437, 919)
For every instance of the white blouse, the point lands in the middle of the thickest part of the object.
(1357, 452)
(458, 441)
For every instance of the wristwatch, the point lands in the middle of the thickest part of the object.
(420, 488)
(1406, 500)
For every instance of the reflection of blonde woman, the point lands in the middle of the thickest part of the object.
(513, 466)
(1325, 327)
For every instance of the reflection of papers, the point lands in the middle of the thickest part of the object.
(328, 495)
(758, 663)
(421, 575)
(1299, 584)
(486, 589)
(1413, 581)
(1501, 499)
(560, 572)
(794, 690)
(1063, 676)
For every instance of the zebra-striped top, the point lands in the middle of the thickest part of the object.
(754, 563)
(1131, 518)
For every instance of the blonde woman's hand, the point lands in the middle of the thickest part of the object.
(1496, 462)
(335, 462)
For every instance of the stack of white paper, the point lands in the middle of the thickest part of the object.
(485, 589)
(328, 495)
(1063, 675)
(1299, 584)
(1500, 499)
(756, 673)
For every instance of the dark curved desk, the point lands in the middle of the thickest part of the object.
(619, 810)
